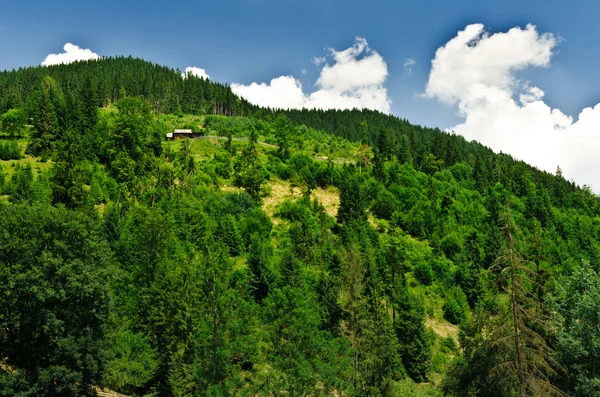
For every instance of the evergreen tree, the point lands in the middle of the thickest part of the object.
(415, 348)
(88, 103)
(283, 130)
(67, 187)
(249, 172)
(519, 332)
(44, 121)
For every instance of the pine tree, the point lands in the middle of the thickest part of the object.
(45, 123)
(520, 332)
(415, 348)
(283, 130)
(67, 187)
(88, 101)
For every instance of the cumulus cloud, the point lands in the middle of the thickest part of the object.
(353, 79)
(408, 64)
(476, 72)
(195, 71)
(72, 54)
(282, 92)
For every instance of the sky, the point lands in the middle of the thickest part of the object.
(519, 76)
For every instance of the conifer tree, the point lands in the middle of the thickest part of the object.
(44, 121)
(67, 187)
(88, 107)
(283, 130)
(519, 333)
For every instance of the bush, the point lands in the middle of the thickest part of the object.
(229, 234)
(456, 306)
(222, 163)
(452, 311)
(452, 245)
(442, 268)
(423, 273)
(385, 204)
(448, 345)
(10, 151)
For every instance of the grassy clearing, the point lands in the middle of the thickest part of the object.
(174, 121)
(278, 191)
(282, 190)
(442, 328)
(408, 388)
(8, 166)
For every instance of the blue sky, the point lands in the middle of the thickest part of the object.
(246, 41)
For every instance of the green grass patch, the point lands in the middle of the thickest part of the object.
(8, 166)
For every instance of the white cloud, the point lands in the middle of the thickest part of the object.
(195, 71)
(354, 79)
(408, 64)
(319, 60)
(303, 71)
(282, 92)
(476, 71)
(72, 54)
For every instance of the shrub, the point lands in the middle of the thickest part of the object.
(448, 345)
(385, 204)
(424, 273)
(10, 150)
(452, 311)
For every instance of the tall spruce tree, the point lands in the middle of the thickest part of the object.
(520, 332)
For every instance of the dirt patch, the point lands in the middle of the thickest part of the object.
(108, 393)
(282, 190)
(329, 198)
(442, 328)
(278, 191)
(231, 189)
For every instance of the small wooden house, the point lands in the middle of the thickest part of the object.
(180, 134)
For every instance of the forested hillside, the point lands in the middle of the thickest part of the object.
(111, 79)
(292, 253)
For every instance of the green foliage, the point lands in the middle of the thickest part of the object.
(213, 295)
(283, 131)
(44, 120)
(10, 150)
(258, 256)
(415, 346)
(21, 184)
(577, 299)
(248, 171)
(305, 359)
(452, 311)
(455, 306)
(356, 193)
(13, 122)
(424, 273)
(131, 126)
(54, 268)
(67, 186)
(131, 361)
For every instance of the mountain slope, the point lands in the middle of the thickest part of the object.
(286, 253)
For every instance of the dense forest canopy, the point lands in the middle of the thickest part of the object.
(296, 253)
(111, 79)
